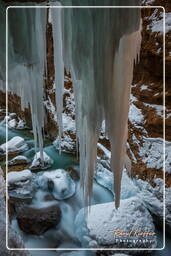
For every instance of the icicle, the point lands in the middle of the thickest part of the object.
(56, 15)
(26, 63)
(100, 48)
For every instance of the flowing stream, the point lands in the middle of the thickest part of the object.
(64, 235)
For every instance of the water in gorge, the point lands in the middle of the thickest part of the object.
(62, 236)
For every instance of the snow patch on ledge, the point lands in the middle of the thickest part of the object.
(157, 23)
(135, 115)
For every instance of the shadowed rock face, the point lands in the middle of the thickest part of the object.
(37, 221)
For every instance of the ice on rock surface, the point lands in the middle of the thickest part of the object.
(59, 183)
(37, 162)
(16, 144)
(103, 220)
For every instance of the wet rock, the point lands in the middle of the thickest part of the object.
(38, 164)
(59, 183)
(36, 221)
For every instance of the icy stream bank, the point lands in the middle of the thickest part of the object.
(63, 236)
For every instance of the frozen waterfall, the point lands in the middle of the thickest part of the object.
(99, 47)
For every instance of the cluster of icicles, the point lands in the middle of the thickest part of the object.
(99, 47)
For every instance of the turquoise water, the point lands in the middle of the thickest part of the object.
(69, 207)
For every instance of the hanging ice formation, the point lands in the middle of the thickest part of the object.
(98, 46)
(99, 49)
(26, 45)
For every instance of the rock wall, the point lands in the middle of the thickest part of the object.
(146, 114)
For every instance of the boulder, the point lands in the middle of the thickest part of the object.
(18, 160)
(38, 163)
(37, 221)
(14, 145)
(59, 183)
(130, 226)
(20, 186)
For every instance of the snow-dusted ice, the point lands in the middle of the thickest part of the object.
(59, 183)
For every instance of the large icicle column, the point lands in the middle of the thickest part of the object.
(100, 46)
(26, 45)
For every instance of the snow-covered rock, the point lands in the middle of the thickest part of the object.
(105, 178)
(14, 238)
(152, 153)
(59, 183)
(153, 197)
(38, 164)
(18, 160)
(16, 144)
(15, 177)
(135, 115)
(20, 186)
(107, 226)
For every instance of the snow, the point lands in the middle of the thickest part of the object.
(12, 123)
(144, 87)
(107, 152)
(135, 115)
(59, 183)
(152, 196)
(16, 144)
(38, 163)
(103, 220)
(152, 153)
(14, 177)
(157, 23)
(158, 108)
(19, 159)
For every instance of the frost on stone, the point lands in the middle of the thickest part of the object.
(103, 220)
(59, 183)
